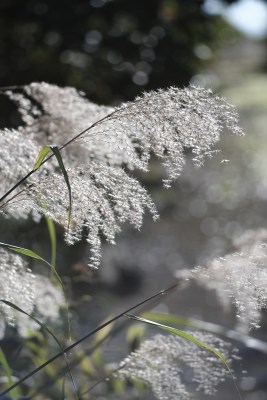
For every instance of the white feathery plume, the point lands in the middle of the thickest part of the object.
(170, 365)
(17, 285)
(164, 122)
(33, 293)
(103, 199)
(240, 278)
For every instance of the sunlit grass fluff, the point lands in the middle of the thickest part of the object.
(240, 278)
(173, 369)
(102, 145)
(32, 293)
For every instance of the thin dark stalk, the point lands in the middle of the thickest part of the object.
(62, 372)
(18, 184)
(6, 88)
(94, 331)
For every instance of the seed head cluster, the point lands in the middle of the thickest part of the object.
(108, 143)
(240, 277)
(173, 368)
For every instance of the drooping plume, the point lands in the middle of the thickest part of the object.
(104, 144)
(162, 363)
(239, 278)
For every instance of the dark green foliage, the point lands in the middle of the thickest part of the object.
(110, 49)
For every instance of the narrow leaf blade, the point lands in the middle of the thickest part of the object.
(41, 156)
(55, 150)
(184, 335)
(53, 240)
(22, 250)
(57, 154)
(12, 305)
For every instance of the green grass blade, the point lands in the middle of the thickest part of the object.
(216, 329)
(183, 335)
(3, 361)
(63, 395)
(168, 318)
(55, 150)
(65, 174)
(53, 240)
(21, 250)
(8, 303)
(41, 156)
(31, 254)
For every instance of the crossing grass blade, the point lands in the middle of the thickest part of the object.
(31, 254)
(14, 394)
(216, 329)
(16, 308)
(183, 335)
(172, 319)
(191, 339)
(41, 158)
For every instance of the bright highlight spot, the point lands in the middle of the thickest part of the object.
(248, 16)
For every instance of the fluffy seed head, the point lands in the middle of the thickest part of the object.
(166, 363)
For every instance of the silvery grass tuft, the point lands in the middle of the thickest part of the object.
(239, 277)
(31, 292)
(100, 158)
(163, 362)
(100, 147)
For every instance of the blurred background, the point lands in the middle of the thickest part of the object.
(113, 50)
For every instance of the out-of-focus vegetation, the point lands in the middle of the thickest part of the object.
(111, 49)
